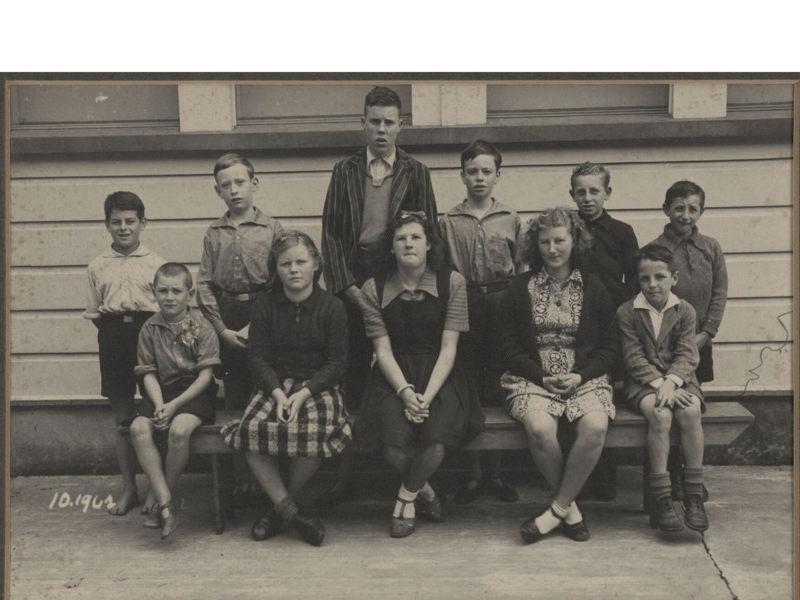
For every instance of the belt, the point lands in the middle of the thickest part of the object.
(245, 297)
(488, 288)
(128, 317)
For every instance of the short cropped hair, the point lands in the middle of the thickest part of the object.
(654, 253)
(684, 189)
(384, 262)
(382, 96)
(289, 239)
(479, 147)
(589, 168)
(123, 201)
(172, 269)
(550, 219)
(228, 160)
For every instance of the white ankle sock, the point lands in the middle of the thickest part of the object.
(550, 519)
(404, 494)
(573, 514)
(426, 491)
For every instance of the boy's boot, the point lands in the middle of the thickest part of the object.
(694, 511)
(662, 511)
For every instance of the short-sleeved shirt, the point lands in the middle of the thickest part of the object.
(486, 249)
(120, 283)
(703, 276)
(456, 319)
(176, 350)
(234, 260)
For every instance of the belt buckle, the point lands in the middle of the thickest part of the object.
(243, 297)
(127, 318)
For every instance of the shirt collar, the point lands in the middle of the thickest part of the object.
(158, 319)
(574, 277)
(257, 218)
(393, 287)
(641, 302)
(389, 159)
(604, 220)
(675, 239)
(307, 304)
(463, 209)
(140, 251)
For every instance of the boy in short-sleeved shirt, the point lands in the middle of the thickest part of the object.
(119, 300)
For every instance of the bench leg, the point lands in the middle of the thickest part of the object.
(646, 495)
(219, 509)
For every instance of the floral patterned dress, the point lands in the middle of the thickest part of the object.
(556, 314)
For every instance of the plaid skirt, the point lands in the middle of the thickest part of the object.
(524, 396)
(321, 428)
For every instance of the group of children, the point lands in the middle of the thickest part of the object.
(453, 321)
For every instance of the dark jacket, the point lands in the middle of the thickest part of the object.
(597, 343)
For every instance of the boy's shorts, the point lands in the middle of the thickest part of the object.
(117, 339)
(634, 401)
(203, 406)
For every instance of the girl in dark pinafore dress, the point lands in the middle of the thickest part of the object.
(418, 398)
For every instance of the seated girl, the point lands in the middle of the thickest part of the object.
(418, 399)
(558, 344)
(297, 354)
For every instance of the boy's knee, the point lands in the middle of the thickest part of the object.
(141, 429)
(689, 413)
(179, 434)
(659, 420)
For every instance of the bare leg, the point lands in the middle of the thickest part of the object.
(301, 470)
(584, 455)
(126, 457)
(659, 424)
(180, 430)
(266, 471)
(692, 440)
(149, 457)
(542, 428)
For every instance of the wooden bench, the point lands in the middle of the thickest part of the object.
(723, 422)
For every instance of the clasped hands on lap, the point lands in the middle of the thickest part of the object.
(417, 406)
(563, 385)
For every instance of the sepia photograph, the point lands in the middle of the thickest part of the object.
(348, 336)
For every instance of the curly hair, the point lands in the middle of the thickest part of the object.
(383, 262)
(549, 219)
(289, 239)
(589, 168)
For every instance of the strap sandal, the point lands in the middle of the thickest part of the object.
(152, 519)
(169, 519)
(530, 532)
(577, 532)
(401, 526)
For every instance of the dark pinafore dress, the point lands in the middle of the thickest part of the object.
(415, 332)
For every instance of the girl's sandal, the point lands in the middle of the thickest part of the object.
(169, 520)
(152, 519)
(402, 527)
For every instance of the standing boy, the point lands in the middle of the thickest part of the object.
(366, 192)
(232, 271)
(118, 302)
(613, 260)
(481, 237)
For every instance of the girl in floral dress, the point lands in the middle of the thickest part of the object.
(297, 354)
(558, 344)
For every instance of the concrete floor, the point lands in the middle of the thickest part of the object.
(82, 552)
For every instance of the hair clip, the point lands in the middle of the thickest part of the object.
(407, 214)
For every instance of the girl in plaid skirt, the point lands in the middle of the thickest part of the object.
(297, 354)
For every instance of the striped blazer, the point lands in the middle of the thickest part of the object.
(344, 207)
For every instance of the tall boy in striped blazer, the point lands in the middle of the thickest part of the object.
(366, 192)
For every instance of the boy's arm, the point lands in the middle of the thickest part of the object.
(153, 389)
(206, 300)
(147, 367)
(519, 244)
(335, 213)
(510, 319)
(259, 347)
(719, 294)
(630, 246)
(633, 354)
(685, 357)
(336, 350)
(93, 300)
(197, 387)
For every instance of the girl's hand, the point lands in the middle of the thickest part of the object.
(568, 383)
(282, 405)
(164, 415)
(295, 401)
(412, 404)
(683, 399)
(665, 395)
(552, 385)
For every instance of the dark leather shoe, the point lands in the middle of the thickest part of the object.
(577, 532)
(663, 515)
(310, 529)
(530, 532)
(503, 491)
(467, 493)
(267, 525)
(694, 513)
(430, 510)
(339, 492)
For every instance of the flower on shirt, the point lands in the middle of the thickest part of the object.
(190, 330)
